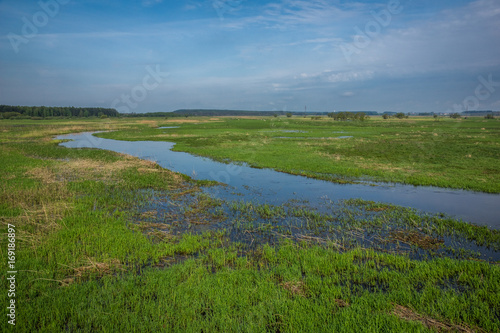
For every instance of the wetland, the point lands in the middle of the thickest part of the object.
(220, 224)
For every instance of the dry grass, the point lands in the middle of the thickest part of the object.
(409, 315)
(386, 167)
(296, 288)
(43, 174)
(91, 169)
(335, 157)
(341, 303)
(99, 268)
(152, 214)
(150, 123)
(197, 121)
(45, 133)
(175, 136)
(37, 221)
(161, 235)
(416, 238)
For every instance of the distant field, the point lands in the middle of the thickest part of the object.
(96, 253)
(454, 153)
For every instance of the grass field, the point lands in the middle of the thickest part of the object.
(92, 254)
(454, 153)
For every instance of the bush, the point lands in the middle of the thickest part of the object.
(489, 116)
(9, 115)
(455, 115)
(348, 116)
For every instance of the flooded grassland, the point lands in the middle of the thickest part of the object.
(108, 241)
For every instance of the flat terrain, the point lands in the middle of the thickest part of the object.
(453, 153)
(108, 242)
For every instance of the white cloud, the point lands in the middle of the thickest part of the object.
(462, 39)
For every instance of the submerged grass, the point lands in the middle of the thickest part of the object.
(96, 253)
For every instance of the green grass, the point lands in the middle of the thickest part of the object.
(89, 258)
(461, 154)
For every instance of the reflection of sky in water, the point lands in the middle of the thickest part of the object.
(269, 186)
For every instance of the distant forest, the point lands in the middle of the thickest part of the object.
(8, 111)
(235, 113)
(41, 112)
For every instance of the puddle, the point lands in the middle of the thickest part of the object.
(166, 127)
(266, 186)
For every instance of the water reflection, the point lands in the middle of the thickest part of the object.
(272, 187)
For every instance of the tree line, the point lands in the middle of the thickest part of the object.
(9, 111)
(344, 116)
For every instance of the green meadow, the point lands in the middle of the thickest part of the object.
(95, 253)
(443, 152)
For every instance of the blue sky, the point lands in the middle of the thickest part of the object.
(409, 56)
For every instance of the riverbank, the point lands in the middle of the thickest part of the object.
(97, 252)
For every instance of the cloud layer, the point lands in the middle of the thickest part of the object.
(259, 55)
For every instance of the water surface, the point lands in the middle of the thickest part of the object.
(272, 187)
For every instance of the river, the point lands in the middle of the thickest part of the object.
(272, 187)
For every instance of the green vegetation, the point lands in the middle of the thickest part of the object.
(344, 116)
(94, 251)
(454, 153)
(41, 112)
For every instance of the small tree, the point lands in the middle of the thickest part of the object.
(360, 116)
(289, 115)
(489, 116)
(10, 115)
(455, 115)
(385, 116)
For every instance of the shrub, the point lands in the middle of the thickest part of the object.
(9, 115)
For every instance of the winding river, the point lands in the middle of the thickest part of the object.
(272, 187)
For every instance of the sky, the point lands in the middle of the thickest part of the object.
(291, 55)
